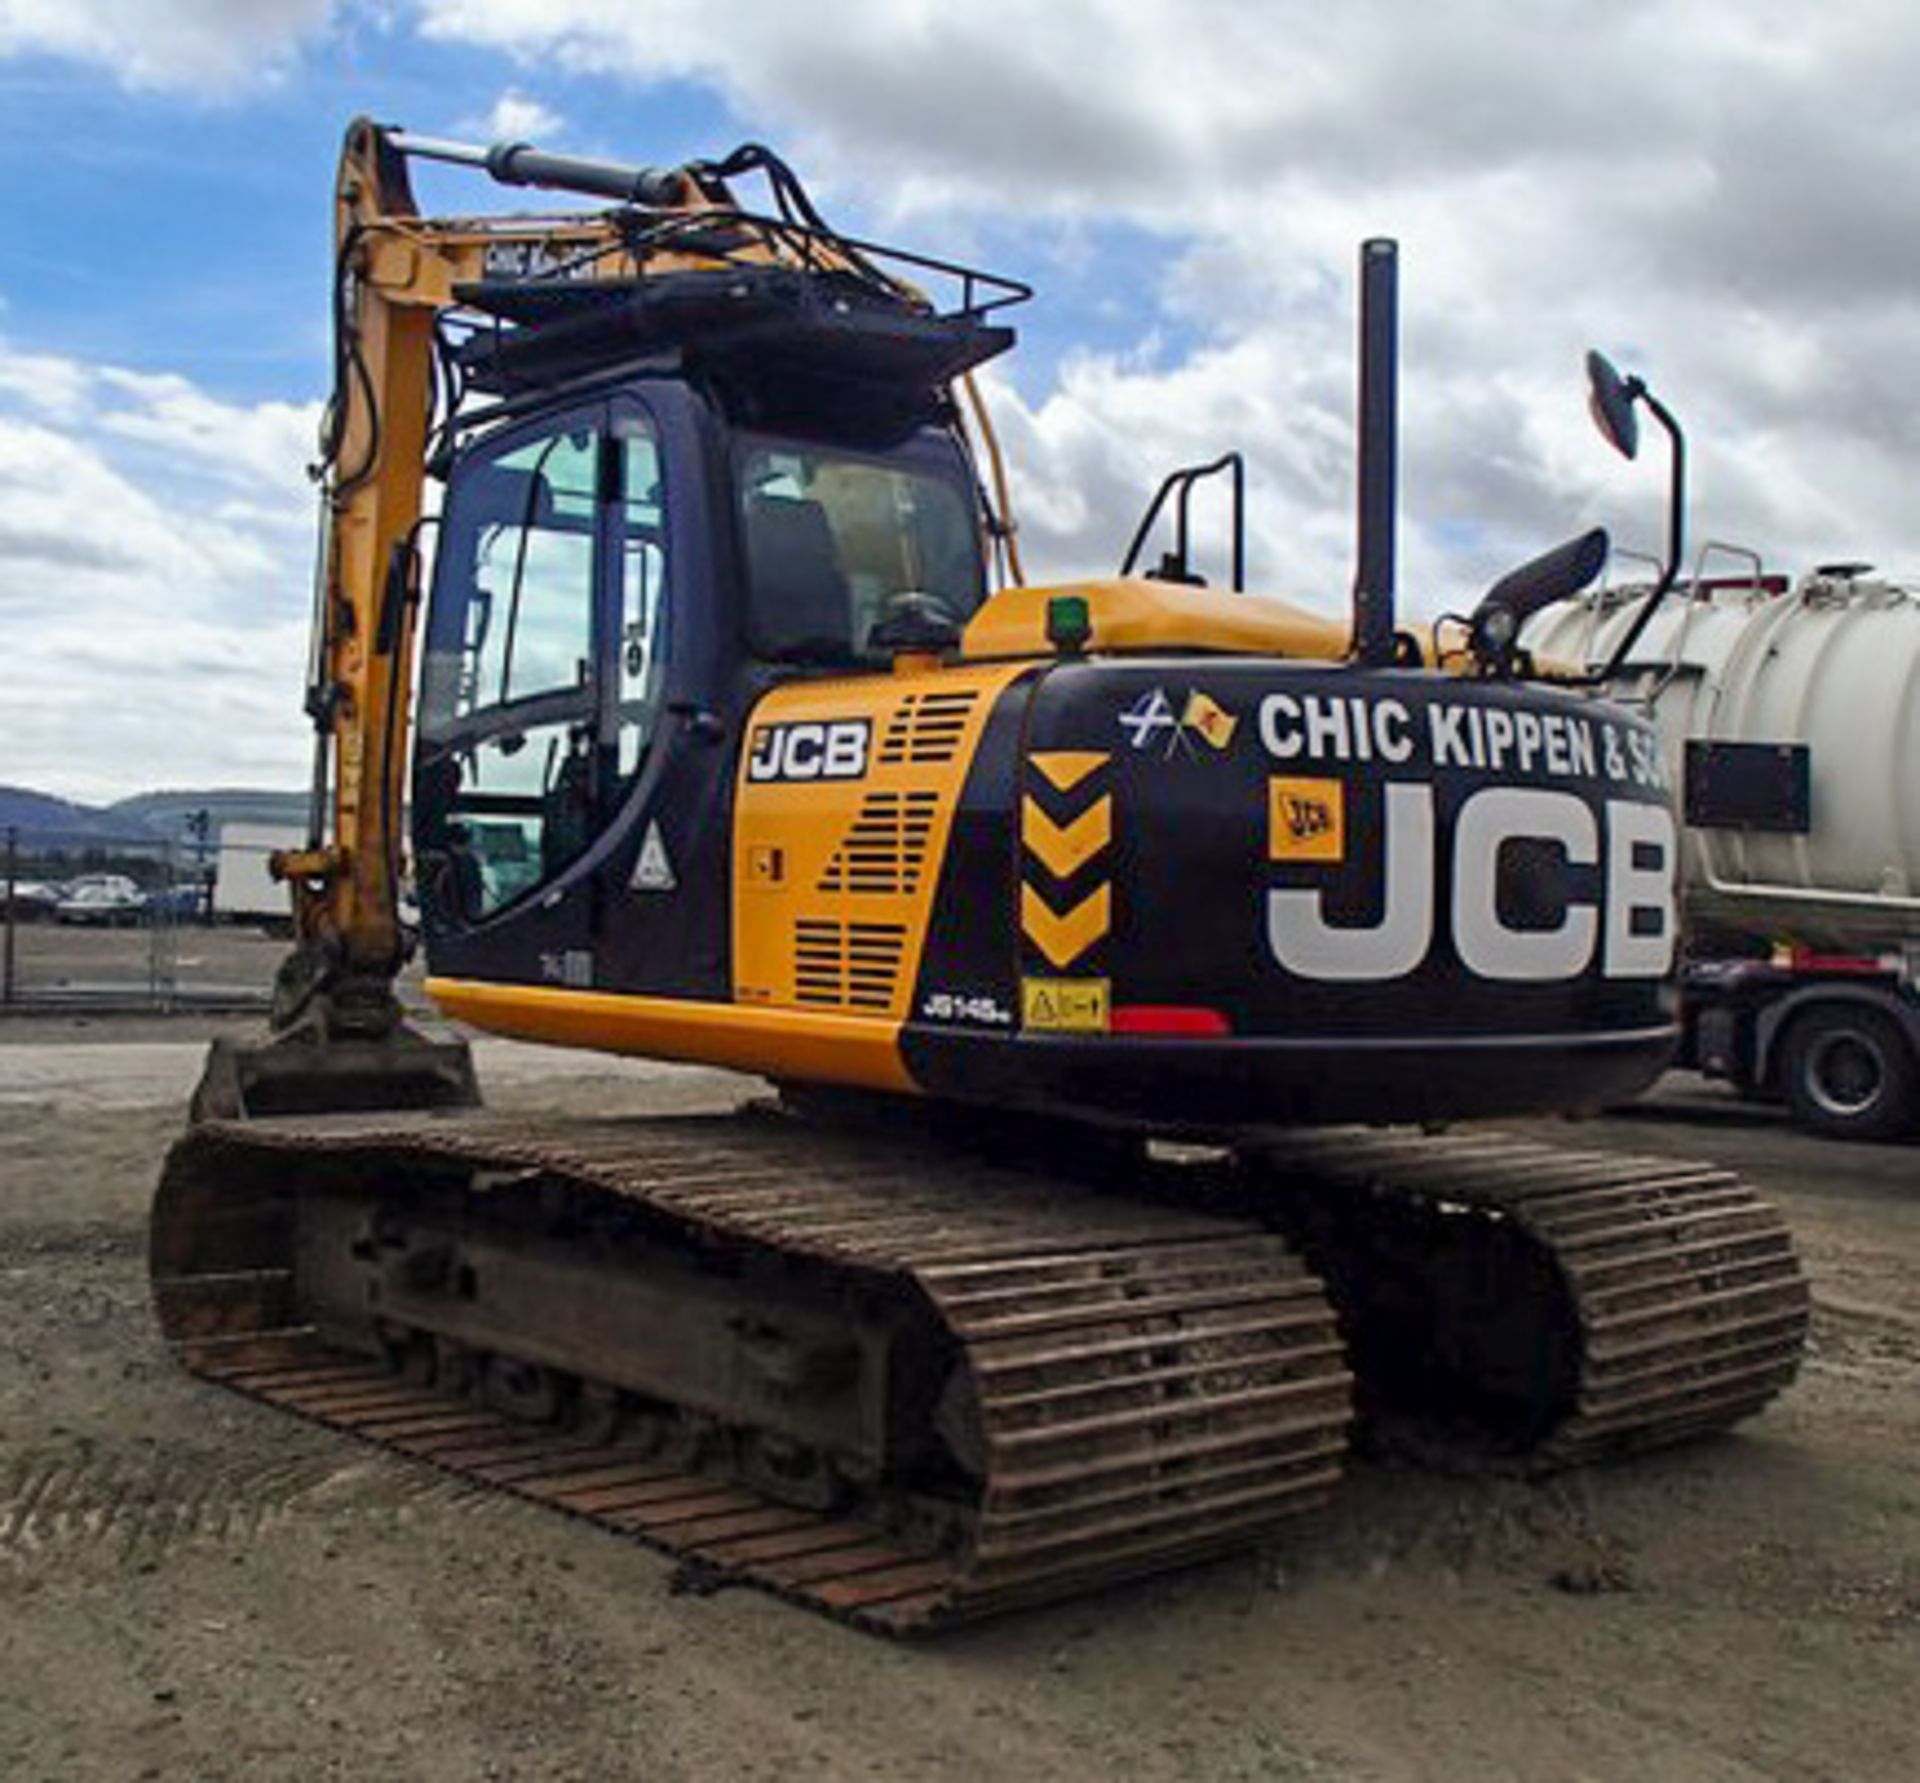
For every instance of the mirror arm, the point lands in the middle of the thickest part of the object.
(1676, 525)
(1676, 534)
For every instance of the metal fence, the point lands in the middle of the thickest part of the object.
(122, 923)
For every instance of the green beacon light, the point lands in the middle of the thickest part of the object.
(1069, 624)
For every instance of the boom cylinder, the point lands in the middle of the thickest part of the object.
(520, 164)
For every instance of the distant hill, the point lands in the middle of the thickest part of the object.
(40, 817)
(169, 813)
(45, 821)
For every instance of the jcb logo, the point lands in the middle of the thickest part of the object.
(834, 751)
(1306, 819)
(1630, 925)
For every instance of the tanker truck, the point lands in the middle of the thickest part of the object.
(1789, 716)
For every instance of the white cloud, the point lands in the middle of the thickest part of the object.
(516, 117)
(1712, 196)
(265, 445)
(154, 552)
(195, 45)
(44, 383)
(1158, 103)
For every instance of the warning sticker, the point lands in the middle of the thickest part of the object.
(653, 870)
(1306, 819)
(1065, 1005)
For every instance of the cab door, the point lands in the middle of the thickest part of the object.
(522, 704)
(659, 923)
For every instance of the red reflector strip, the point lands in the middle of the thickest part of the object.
(1804, 959)
(1168, 1018)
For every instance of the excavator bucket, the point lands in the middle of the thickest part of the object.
(302, 1073)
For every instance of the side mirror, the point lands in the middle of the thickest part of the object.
(1610, 398)
(1613, 400)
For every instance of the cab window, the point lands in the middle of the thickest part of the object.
(530, 622)
(830, 539)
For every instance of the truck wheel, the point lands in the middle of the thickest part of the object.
(1850, 1073)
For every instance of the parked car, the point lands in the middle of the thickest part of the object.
(104, 901)
(34, 900)
(118, 883)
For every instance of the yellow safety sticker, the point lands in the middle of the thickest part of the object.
(1065, 1005)
(1306, 819)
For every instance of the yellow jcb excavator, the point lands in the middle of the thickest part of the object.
(1068, 922)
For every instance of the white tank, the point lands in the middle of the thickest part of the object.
(1833, 664)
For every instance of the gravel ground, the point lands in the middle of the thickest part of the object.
(193, 1586)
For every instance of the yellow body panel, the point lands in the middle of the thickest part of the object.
(833, 876)
(1135, 614)
(832, 890)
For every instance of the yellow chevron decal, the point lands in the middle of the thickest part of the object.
(1066, 768)
(1064, 848)
(1063, 939)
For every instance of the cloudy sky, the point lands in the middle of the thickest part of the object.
(1720, 195)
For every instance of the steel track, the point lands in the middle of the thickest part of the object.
(1149, 1386)
(1622, 1302)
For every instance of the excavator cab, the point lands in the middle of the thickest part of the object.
(690, 452)
(617, 581)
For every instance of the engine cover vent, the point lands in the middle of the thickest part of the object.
(852, 965)
(926, 727)
(885, 850)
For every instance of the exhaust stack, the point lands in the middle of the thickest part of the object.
(1373, 627)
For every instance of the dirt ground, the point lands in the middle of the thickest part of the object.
(192, 1586)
